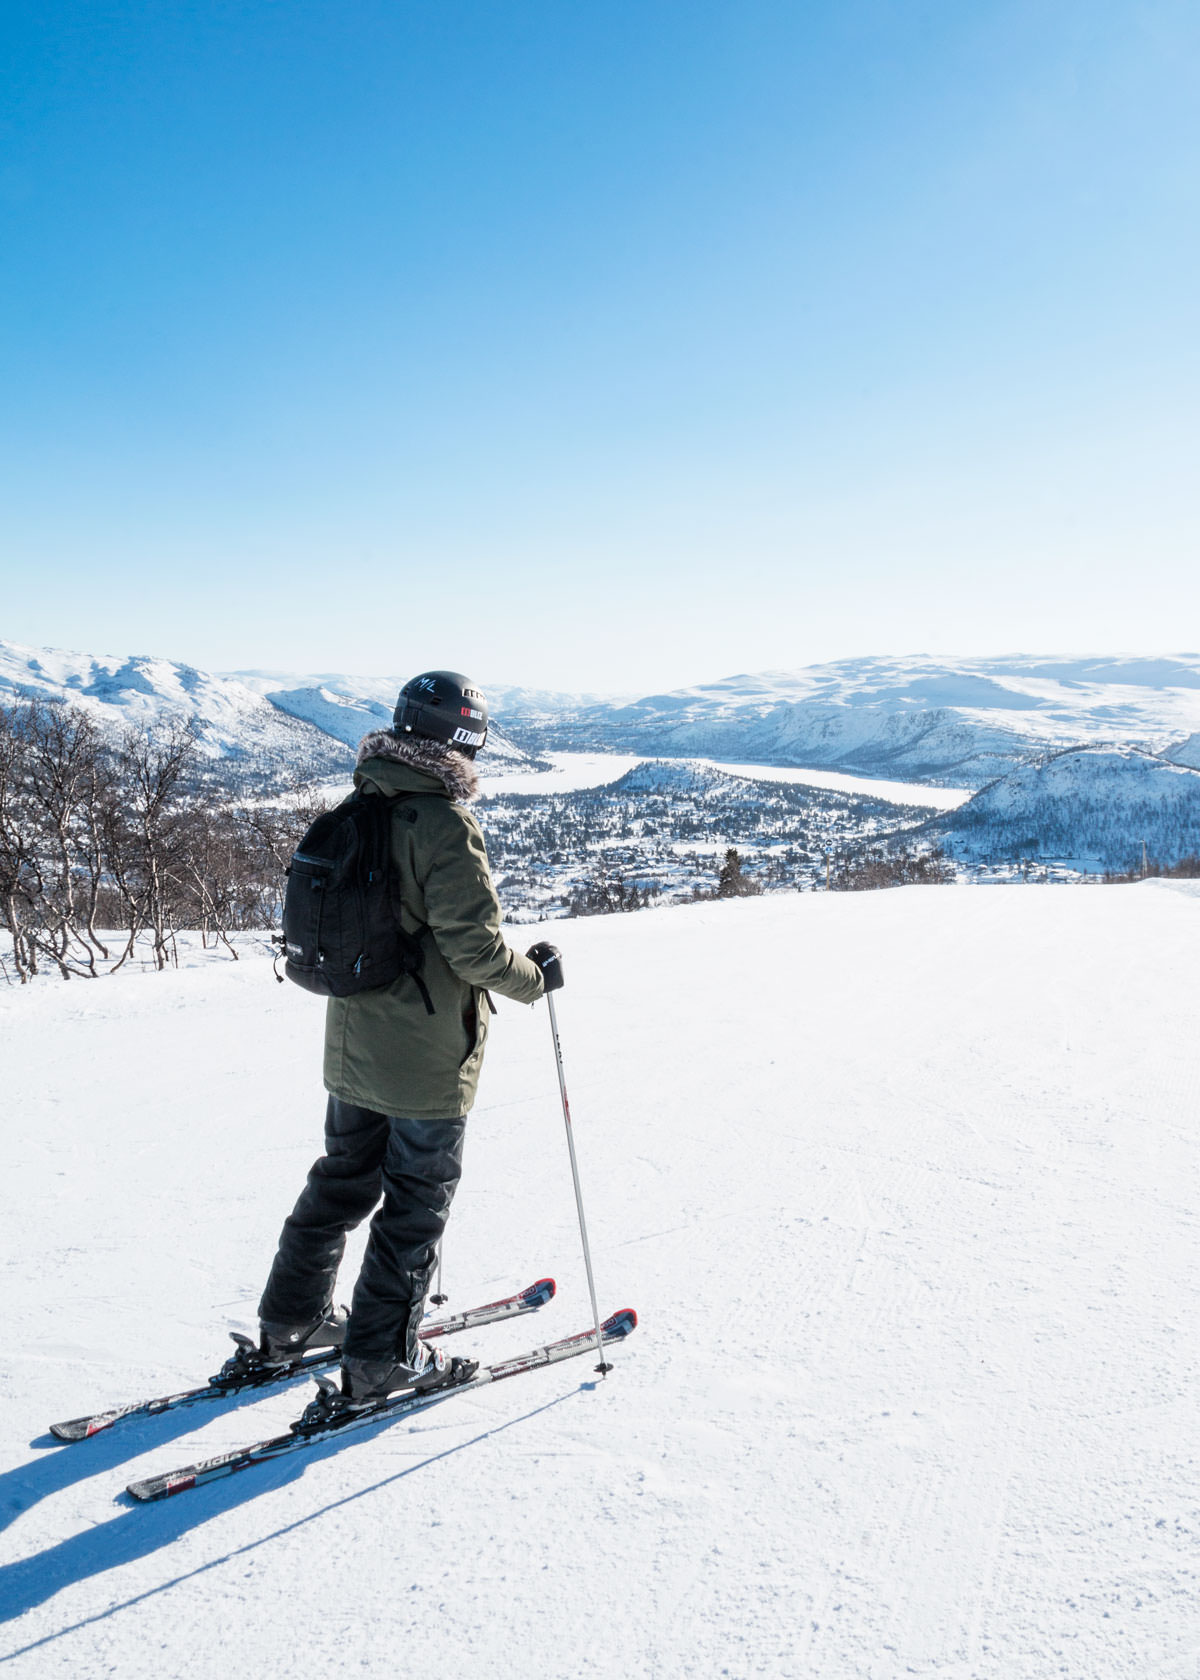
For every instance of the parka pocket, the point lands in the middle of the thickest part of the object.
(475, 1025)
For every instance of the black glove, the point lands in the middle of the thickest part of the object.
(549, 959)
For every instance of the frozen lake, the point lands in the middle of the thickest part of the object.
(575, 771)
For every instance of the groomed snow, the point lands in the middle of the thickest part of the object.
(902, 1185)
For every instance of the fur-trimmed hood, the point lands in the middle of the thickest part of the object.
(437, 758)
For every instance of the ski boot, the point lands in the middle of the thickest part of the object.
(366, 1381)
(284, 1344)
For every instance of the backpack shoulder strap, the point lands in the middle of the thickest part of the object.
(384, 807)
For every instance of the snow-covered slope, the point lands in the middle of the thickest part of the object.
(901, 1184)
(1095, 806)
(344, 707)
(916, 718)
(1186, 752)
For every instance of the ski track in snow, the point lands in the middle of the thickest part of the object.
(902, 1185)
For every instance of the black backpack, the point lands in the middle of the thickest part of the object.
(341, 909)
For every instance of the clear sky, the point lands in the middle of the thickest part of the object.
(612, 345)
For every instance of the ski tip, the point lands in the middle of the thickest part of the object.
(74, 1429)
(159, 1487)
(621, 1323)
(79, 1429)
(543, 1290)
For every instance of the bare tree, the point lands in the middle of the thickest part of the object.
(18, 873)
(144, 835)
(868, 871)
(98, 836)
(63, 774)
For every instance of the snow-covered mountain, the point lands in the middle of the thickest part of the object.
(960, 720)
(967, 722)
(346, 707)
(255, 722)
(341, 706)
(233, 722)
(1096, 806)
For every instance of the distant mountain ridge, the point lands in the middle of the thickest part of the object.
(1081, 760)
(948, 721)
(234, 724)
(916, 718)
(347, 707)
(257, 724)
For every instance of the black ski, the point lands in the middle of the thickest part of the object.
(320, 1424)
(242, 1371)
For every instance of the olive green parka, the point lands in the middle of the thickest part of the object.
(382, 1049)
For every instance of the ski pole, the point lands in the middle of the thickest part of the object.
(439, 1300)
(603, 1368)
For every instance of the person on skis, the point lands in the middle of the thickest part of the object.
(402, 1065)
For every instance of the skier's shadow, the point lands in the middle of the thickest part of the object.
(51, 1472)
(141, 1530)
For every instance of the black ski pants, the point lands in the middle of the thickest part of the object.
(415, 1165)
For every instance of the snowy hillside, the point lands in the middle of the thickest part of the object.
(969, 723)
(234, 724)
(913, 1392)
(1186, 752)
(917, 718)
(346, 707)
(343, 707)
(252, 723)
(960, 722)
(1095, 806)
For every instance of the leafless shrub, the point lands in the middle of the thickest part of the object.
(107, 846)
(868, 871)
(1187, 869)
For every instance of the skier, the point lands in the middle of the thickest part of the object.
(402, 1065)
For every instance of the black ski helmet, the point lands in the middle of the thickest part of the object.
(443, 706)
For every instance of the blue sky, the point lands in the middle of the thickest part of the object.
(605, 346)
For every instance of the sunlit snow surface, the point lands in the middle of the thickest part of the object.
(902, 1185)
